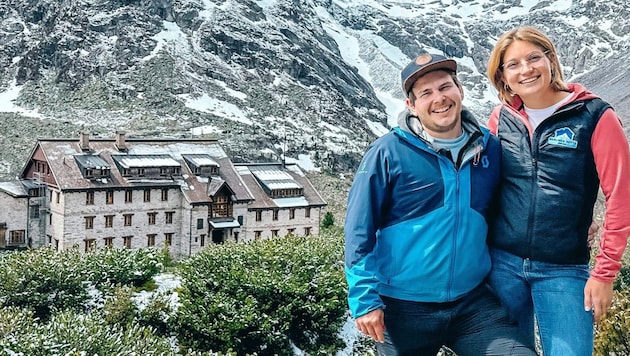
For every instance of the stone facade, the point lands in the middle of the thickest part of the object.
(124, 193)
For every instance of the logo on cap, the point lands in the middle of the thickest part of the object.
(423, 59)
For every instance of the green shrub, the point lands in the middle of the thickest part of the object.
(264, 297)
(613, 332)
(123, 266)
(623, 279)
(328, 220)
(43, 280)
(120, 309)
(71, 333)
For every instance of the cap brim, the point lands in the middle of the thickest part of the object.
(445, 64)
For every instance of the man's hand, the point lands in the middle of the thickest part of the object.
(372, 324)
(598, 297)
(592, 233)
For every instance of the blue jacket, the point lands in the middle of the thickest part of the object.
(416, 222)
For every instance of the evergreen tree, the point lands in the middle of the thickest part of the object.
(328, 221)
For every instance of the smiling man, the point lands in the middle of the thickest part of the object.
(415, 231)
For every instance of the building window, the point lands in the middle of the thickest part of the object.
(108, 241)
(151, 240)
(307, 212)
(89, 244)
(34, 211)
(152, 216)
(57, 195)
(202, 237)
(307, 231)
(169, 217)
(109, 220)
(50, 219)
(128, 196)
(164, 194)
(127, 219)
(275, 214)
(147, 195)
(292, 213)
(17, 237)
(258, 215)
(220, 207)
(291, 231)
(127, 241)
(274, 233)
(89, 222)
(89, 198)
(199, 223)
(109, 197)
(257, 234)
(168, 238)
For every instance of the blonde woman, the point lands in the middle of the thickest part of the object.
(560, 144)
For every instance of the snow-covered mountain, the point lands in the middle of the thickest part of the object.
(319, 79)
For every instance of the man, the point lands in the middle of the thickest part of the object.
(415, 231)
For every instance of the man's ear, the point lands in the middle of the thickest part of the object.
(410, 106)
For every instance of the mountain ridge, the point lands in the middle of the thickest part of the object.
(318, 79)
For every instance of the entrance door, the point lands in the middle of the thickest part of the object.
(217, 236)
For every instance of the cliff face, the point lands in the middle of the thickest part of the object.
(318, 79)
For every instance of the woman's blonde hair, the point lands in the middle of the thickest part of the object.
(528, 34)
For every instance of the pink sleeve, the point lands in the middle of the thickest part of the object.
(493, 121)
(612, 159)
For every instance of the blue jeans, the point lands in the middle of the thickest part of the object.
(473, 325)
(553, 294)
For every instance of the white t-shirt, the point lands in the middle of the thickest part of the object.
(536, 116)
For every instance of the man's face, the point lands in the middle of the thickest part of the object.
(438, 104)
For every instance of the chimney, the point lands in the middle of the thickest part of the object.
(121, 145)
(84, 141)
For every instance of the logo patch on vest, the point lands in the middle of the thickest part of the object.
(563, 137)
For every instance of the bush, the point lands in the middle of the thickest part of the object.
(123, 266)
(71, 333)
(613, 332)
(328, 220)
(264, 297)
(42, 280)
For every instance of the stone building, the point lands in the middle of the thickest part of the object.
(136, 193)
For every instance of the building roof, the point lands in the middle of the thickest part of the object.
(258, 176)
(15, 189)
(63, 155)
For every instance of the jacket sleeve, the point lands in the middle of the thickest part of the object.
(612, 159)
(365, 203)
(493, 121)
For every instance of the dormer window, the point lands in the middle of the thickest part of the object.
(202, 165)
(277, 183)
(92, 167)
(147, 166)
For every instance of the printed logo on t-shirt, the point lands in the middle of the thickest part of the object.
(563, 137)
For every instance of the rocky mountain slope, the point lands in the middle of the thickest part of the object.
(318, 79)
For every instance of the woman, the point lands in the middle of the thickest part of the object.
(560, 143)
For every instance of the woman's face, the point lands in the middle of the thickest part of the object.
(527, 71)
